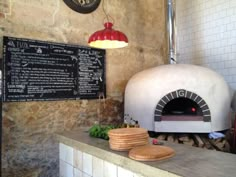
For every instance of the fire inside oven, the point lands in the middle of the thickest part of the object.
(182, 109)
(182, 106)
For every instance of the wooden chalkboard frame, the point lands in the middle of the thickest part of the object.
(36, 70)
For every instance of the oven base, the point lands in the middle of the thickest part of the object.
(183, 126)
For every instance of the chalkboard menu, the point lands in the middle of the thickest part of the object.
(36, 70)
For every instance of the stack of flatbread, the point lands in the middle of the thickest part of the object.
(124, 139)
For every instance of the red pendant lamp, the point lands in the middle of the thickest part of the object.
(108, 38)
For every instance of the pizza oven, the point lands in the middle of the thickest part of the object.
(179, 98)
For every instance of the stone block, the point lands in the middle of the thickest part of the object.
(77, 173)
(97, 167)
(87, 164)
(66, 170)
(123, 172)
(66, 154)
(86, 175)
(78, 159)
(110, 170)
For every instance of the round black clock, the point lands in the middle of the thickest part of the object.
(83, 6)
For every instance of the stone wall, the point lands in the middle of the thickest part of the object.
(29, 127)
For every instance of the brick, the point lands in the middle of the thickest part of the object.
(2, 15)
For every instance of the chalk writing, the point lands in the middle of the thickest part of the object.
(37, 70)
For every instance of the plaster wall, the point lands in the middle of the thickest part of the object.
(29, 127)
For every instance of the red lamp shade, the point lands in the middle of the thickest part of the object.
(108, 38)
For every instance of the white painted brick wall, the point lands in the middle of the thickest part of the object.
(206, 35)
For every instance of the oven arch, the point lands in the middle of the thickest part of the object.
(181, 93)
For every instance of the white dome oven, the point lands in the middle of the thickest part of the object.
(179, 98)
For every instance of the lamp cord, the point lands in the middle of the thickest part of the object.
(107, 15)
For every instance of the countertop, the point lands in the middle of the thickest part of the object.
(188, 161)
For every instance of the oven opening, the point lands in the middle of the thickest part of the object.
(183, 107)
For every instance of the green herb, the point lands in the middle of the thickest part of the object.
(101, 131)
